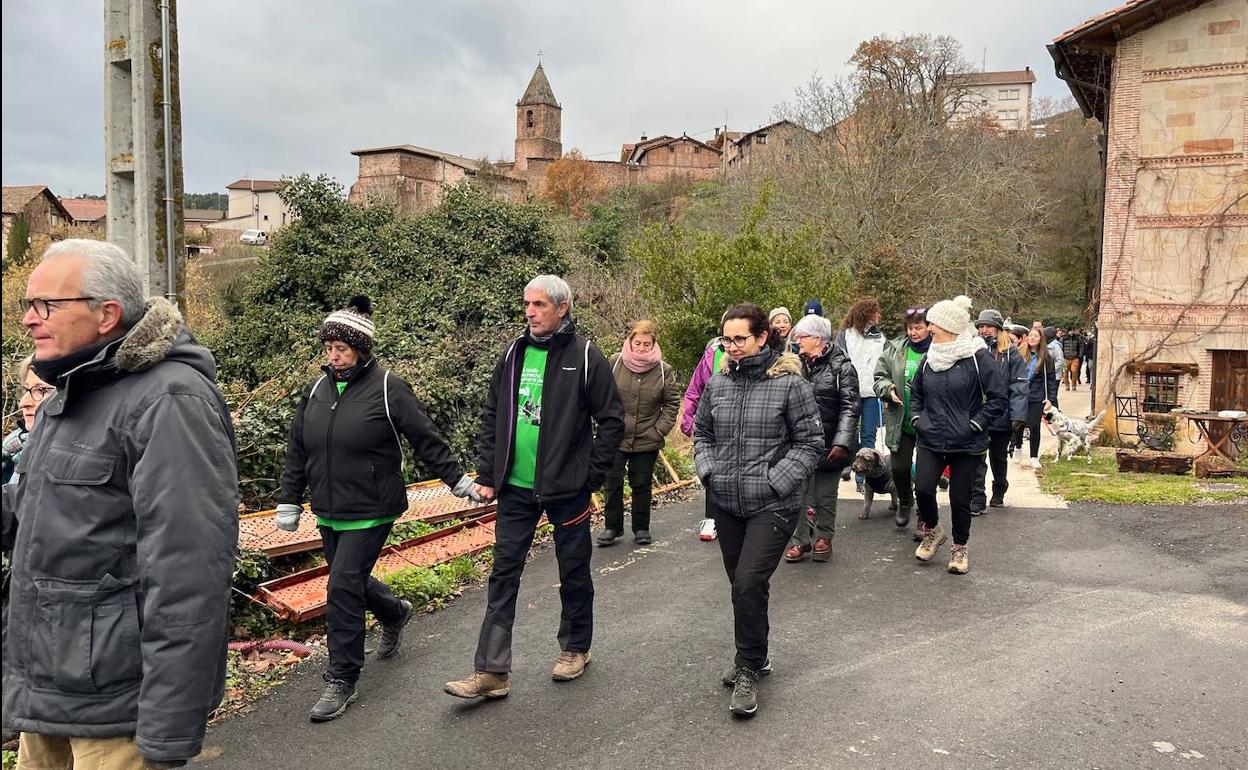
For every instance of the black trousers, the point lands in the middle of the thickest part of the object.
(351, 555)
(518, 512)
(998, 458)
(640, 479)
(901, 461)
(1035, 412)
(751, 548)
(961, 481)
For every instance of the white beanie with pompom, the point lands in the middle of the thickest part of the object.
(952, 315)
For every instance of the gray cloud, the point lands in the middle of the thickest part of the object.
(273, 87)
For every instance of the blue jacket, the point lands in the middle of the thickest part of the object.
(1042, 385)
(1014, 375)
(952, 410)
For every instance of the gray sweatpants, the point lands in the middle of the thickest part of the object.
(820, 492)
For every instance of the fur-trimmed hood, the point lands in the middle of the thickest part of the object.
(152, 338)
(784, 364)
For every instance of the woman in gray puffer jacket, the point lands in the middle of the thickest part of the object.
(757, 436)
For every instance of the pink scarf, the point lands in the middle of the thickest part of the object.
(640, 363)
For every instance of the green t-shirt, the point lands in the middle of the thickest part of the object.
(528, 418)
(913, 357)
(719, 356)
(344, 525)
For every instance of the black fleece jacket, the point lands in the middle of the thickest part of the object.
(578, 386)
(347, 450)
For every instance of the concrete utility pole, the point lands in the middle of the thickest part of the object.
(143, 139)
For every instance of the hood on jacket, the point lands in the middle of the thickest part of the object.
(159, 335)
(784, 363)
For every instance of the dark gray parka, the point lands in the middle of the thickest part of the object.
(127, 529)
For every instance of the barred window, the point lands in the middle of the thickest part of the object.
(1161, 392)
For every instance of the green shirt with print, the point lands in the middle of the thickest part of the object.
(344, 525)
(528, 418)
(913, 357)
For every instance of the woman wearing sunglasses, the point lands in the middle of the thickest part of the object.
(34, 391)
(898, 363)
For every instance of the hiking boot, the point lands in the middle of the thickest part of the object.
(977, 510)
(606, 537)
(570, 665)
(822, 550)
(392, 633)
(918, 529)
(796, 553)
(642, 537)
(959, 561)
(729, 676)
(902, 517)
(480, 684)
(744, 701)
(337, 695)
(932, 538)
(845, 474)
(996, 502)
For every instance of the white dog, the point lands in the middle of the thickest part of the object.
(1073, 436)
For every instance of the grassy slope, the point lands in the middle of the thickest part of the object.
(1101, 482)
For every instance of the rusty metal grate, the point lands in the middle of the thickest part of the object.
(428, 501)
(302, 596)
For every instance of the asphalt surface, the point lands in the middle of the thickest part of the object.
(1086, 637)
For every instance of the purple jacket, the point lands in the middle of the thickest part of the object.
(693, 394)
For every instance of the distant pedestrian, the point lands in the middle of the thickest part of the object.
(127, 525)
(956, 396)
(1042, 390)
(780, 322)
(757, 437)
(813, 307)
(1000, 433)
(651, 400)
(1017, 333)
(862, 340)
(1089, 357)
(1072, 353)
(344, 448)
(898, 364)
(1055, 349)
(540, 453)
(712, 357)
(830, 372)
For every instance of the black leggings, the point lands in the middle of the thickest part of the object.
(961, 482)
(1034, 414)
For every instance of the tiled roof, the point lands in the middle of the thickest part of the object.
(768, 127)
(202, 215)
(85, 210)
(256, 185)
(458, 160)
(996, 78)
(539, 91)
(640, 150)
(16, 198)
(1100, 19)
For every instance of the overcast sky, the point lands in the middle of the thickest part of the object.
(280, 87)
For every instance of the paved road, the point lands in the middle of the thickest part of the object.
(1087, 637)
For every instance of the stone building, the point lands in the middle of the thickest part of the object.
(776, 145)
(1169, 80)
(1000, 97)
(39, 209)
(417, 177)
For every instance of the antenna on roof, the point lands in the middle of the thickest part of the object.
(983, 67)
(539, 58)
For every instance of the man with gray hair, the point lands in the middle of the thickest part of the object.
(539, 454)
(127, 525)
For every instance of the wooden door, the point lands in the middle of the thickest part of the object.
(1229, 388)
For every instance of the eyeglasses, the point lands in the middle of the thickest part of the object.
(735, 341)
(39, 392)
(915, 311)
(44, 307)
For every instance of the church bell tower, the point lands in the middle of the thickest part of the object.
(538, 122)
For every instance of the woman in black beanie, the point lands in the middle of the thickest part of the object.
(344, 447)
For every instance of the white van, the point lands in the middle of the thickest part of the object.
(254, 238)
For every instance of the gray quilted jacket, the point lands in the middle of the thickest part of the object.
(757, 435)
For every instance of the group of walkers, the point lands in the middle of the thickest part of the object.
(120, 513)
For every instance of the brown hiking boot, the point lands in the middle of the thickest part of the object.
(822, 550)
(481, 684)
(570, 665)
(932, 538)
(796, 553)
(959, 561)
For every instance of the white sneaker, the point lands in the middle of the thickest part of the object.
(1035, 463)
(706, 530)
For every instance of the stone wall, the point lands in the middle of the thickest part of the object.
(1176, 222)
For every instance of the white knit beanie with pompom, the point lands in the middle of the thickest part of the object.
(952, 315)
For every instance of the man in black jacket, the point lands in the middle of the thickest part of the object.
(127, 525)
(539, 454)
